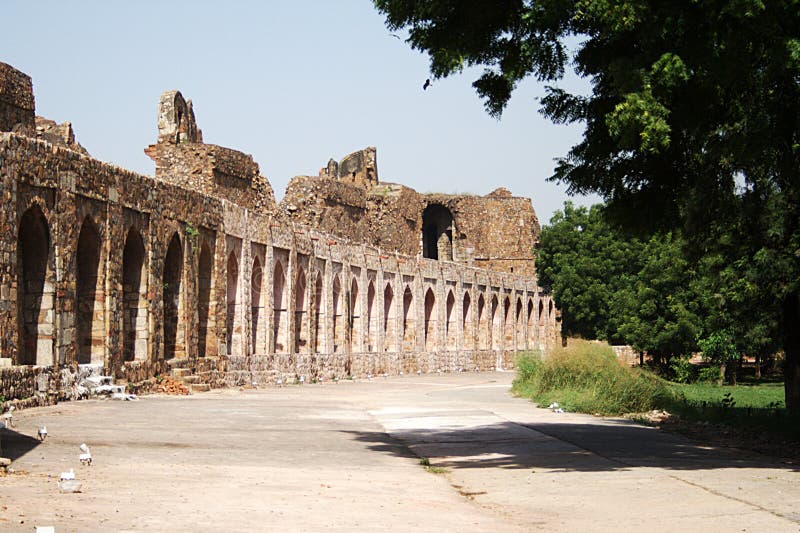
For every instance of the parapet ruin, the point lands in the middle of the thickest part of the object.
(199, 272)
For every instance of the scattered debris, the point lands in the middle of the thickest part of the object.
(42, 433)
(167, 385)
(66, 476)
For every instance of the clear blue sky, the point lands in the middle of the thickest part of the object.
(292, 83)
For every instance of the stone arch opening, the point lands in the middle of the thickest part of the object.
(171, 298)
(279, 309)
(508, 325)
(205, 281)
(551, 320)
(541, 323)
(430, 321)
(300, 314)
(355, 318)
(257, 318)
(531, 324)
(35, 290)
(338, 319)
(233, 318)
(319, 313)
(519, 327)
(437, 233)
(496, 324)
(409, 329)
(483, 327)
(90, 311)
(467, 323)
(134, 299)
(450, 321)
(372, 336)
(389, 320)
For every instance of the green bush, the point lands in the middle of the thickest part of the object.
(682, 370)
(587, 377)
(709, 374)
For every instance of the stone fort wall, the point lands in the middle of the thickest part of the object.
(197, 271)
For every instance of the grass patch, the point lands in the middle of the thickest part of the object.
(426, 463)
(588, 377)
(758, 410)
(761, 396)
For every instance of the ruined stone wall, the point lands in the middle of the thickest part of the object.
(329, 205)
(17, 108)
(497, 231)
(141, 276)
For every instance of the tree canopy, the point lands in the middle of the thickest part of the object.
(692, 120)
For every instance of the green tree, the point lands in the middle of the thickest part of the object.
(657, 312)
(585, 262)
(694, 107)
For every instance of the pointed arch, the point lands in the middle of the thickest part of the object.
(90, 309)
(257, 318)
(233, 316)
(356, 332)
(205, 285)
(339, 319)
(430, 321)
(450, 321)
(409, 323)
(542, 324)
(483, 325)
(300, 312)
(279, 324)
(496, 323)
(531, 325)
(372, 324)
(35, 290)
(171, 298)
(519, 327)
(319, 314)
(389, 320)
(134, 298)
(467, 324)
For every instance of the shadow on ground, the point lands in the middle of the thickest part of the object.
(14, 445)
(612, 445)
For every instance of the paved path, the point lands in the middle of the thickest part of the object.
(345, 456)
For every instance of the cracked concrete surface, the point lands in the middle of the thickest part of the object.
(346, 456)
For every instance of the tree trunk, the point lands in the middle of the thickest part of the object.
(758, 367)
(791, 348)
(721, 379)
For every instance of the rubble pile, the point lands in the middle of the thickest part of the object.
(167, 385)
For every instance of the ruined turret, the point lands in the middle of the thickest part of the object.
(182, 158)
(17, 108)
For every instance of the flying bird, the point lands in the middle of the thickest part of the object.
(396, 36)
(427, 84)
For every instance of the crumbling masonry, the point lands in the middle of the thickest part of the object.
(199, 271)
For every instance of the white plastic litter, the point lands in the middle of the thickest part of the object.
(66, 476)
(42, 433)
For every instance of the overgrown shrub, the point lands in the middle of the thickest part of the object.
(682, 370)
(587, 377)
(709, 374)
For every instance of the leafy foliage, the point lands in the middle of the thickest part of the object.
(692, 124)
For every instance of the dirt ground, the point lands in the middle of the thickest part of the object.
(346, 456)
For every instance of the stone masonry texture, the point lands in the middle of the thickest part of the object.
(198, 270)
